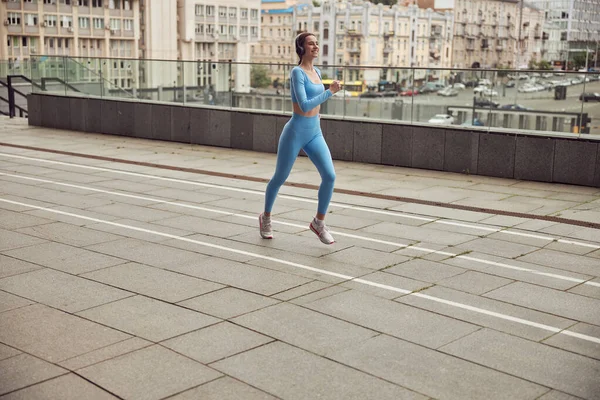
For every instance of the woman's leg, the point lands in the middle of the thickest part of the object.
(319, 154)
(287, 151)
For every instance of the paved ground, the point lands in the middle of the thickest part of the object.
(125, 281)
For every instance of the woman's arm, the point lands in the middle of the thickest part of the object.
(298, 86)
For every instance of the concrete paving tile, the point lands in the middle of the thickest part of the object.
(139, 213)
(136, 234)
(28, 205)
(65, 258)
(576, 345)
(428, 251)
(150, 373)
(225, 388)
(192, 195)
(242, 276)
(152, 282)
(307, 329)
(480, 319)
(216, 342)
(512, 235)
(228, 303)
(10, 302)
(205, 226)
(11, 266)
(587, 290)
(570, 248)
(23, 370)
(586, 234)
(556, 302)
(75, 219)
(504, 221)
(432, 373)
(385, 278)
(367, 258)
(539, 363)
(12, 240)
(439, 212)
(153, 254)
(7, 352)
(115, 198)
(68, 234)
(470, 261)
(303, 290)
(54, 335)
(104, 353)
(283, 371)
(568, 262)
(147, 318)
(63, 291)
(65, 387)
(424, 270)
(474, 282)
(11, 220)
(499, 247)
(127, 186)
(395, 319)
(74, 177)
(581, 215)
(556, 395)
(418, 233)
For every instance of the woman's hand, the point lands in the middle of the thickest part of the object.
(335, 87)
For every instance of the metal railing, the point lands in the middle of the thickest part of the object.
(519, 101)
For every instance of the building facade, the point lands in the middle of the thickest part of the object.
(356, 33)
(35, 30)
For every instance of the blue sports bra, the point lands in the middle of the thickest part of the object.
(306, 93)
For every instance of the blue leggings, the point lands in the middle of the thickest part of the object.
(302, 133)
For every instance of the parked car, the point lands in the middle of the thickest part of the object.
(490, 92)
(410, 92)
(585, 97)
(513, 107)
(474, 122)
(370, 94)
(343, 93)
(442, 119)
(486, 103)
(459, 86)
(448, 92)
(510, 84)
(480, 89)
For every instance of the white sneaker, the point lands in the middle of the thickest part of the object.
(322, 232)
(265, 227)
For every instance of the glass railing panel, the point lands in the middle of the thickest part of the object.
(48, 74)
(155, 80)
(436, 101)
(589, 98)
(262, 87)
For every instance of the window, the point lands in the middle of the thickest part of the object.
(83, 3)
(325, 34)
(199, 28)
(325, 49)
(210, 11)
(66, 22)
(223, 29)
(254, 31)
(222, 12)
(199, 10)
(84, 22)
(244, 13)
(50, 20)
(128, 24)
(115, 24)
(232, 12)
(31, 19)
(97, 3)
(14, 18)
(98, 23)
(254, 14)
(232, 30)
(243, 30)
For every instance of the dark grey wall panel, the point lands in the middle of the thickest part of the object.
(78, 114)
(63, 113)
(367, 142)
(199, 125)
(49, 111)
(93, 122)
(265, 127)
(461, 151)
(496, 155)
(110, 117)
(180, 125)
(428, 148)
(396, 145)
(597, 173)
(219, 133)
(126, 111)
(340, 138)
(34, 110)
(161, 122)
(143, 120)
(242, 130)
(575, 162)
(534, 158)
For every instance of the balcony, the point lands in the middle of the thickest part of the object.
(354, 50)
(387, 49)
(388, 33)
(353, 32)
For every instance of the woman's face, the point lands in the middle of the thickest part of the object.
(311, 47)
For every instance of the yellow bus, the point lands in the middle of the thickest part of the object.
(353, 88)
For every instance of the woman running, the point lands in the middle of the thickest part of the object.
(303, 131)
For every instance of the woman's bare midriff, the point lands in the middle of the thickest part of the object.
(311, 113)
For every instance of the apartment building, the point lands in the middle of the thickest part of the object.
(355, 33)
(276, 47)
(578, 23)
(82, 29)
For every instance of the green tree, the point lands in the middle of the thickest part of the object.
(316, 3)
(579, 60)
(385, 2)
(544, 65)
(259, 77)
(502, 71)
(532, 64)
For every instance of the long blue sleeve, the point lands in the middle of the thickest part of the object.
(300, 92)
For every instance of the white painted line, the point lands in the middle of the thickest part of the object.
(317, 270)
(301, 199)
(399, 245)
